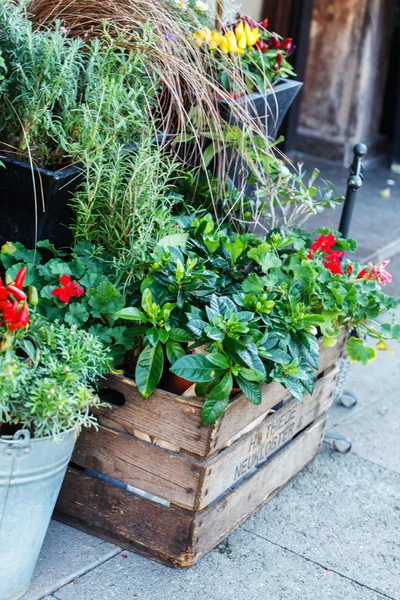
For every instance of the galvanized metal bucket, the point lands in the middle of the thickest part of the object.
(31, 474)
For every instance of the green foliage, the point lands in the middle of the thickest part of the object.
(255, 307)
(102, 296)
(48, 378)
(280, 195)
(122, 203)
(64, 96)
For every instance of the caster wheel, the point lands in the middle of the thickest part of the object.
(348, 399)
(342, 446)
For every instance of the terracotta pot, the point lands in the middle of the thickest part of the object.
(174, 384)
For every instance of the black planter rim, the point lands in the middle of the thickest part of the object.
(62, 173)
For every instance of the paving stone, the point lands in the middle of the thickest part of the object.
(375, 432)
(66, 553)
(375, 382)
(250, 569)
(342, 512)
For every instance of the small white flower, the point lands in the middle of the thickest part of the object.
(181, 3)
(313, 330)
(202, 6)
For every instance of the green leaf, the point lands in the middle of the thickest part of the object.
(196, 368)
(214, 333)
(294, 386)
(219, 360)
(103, 333)
(131, 314)
(180, 271)
(202, 389)
(30, 349)
(174, 351)
(105, 299)
(264, 257)
(149, 369)
(251, 389)
(174, 240)
(357, 351)
(235, 249)
(180, 335)
(163, 335)
(253, 284)
(197, 326)
(147, 301)
(152, 335)
(217, 401)
(251, 374)
(76, 315)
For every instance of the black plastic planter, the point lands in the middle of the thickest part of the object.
(53, 191)
(269, 106)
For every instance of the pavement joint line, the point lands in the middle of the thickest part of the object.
(357, 411)
(371, 462)
(310, 560)
(88, 569)
(389, 251)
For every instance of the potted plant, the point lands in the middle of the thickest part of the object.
(256, 306)
(62, 101)
(247, 57)
(46, 388)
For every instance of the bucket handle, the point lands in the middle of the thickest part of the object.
(20, 439)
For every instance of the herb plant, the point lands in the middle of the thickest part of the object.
(47, 371)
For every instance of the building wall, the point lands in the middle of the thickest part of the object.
(345, 76)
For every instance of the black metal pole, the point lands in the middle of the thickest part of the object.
(354, 183)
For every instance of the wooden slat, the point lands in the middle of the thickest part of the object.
(228, 467)
(240, 413)
(152, 469)
(172, 418)
(125, 517)
(216, 522)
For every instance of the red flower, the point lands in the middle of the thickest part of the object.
(332, 262)
(323, 243)
(349, 270)
(264, 23)
(279, 58)
(362, 274)
(70, 289)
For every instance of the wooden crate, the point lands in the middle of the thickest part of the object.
(189, 485)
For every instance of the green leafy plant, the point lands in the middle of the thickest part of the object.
(251, 309)
(86, 269)
(48, 372)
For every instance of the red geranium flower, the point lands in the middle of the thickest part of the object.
(70, 289)
(323, 243)
(332, 262)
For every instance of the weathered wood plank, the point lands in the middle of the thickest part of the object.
(152, 469)
(214, 523)
(240, 413)
(172, 418)
(123, 516)
(228, 467)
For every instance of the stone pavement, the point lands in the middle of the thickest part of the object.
(332, 533)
